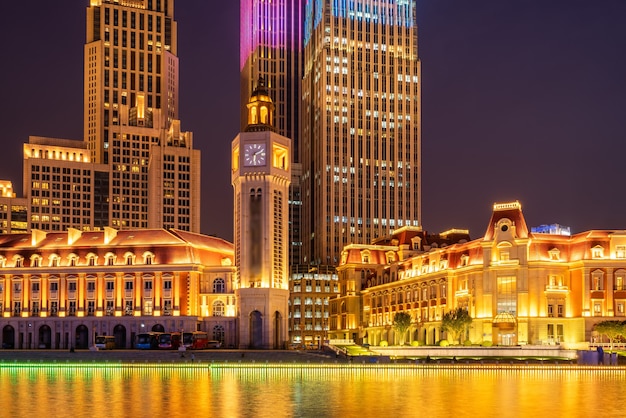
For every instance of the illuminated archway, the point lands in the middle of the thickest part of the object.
(45, 337)
(256, 329)
(82, 337)
(8, 337)
(504, 329)
(119, 332)
(278, 330)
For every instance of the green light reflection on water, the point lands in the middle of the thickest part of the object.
(300, 391)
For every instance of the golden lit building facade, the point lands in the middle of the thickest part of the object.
(135, 167)
(61, 289)
(13, 210)
(173, 187)
(519, 287)
(361, 124)
(154, 175)
(260, 176)
(310, 291)
(130, 60)
(62, 187)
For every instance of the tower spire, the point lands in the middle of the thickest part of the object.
(260, 109)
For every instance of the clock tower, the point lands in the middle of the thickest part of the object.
(261, 174)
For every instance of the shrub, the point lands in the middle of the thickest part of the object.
(487, 344)
(444, 343)
(467, 343)
(384, 343)
(415, 343)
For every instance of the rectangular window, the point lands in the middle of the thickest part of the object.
(109, 308)
(167, 307)
(147, 307)
(597, 309)
(507, 294)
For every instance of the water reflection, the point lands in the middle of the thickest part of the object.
(282, 392)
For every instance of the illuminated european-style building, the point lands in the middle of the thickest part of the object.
(518, 286)
(61, 289)
(361, 130)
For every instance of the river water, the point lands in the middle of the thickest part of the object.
(205, 391)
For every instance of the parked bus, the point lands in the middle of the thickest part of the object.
(147, 341)
(169, 341)
(195, 340)
(105, 342)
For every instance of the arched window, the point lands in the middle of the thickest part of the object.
(148, 257)
(110, 259)
(35, 261)
(91, 259)
(218, 286)
(54, 260)
(73, 260)
(129, 258)
(253, 115)
(218, 308)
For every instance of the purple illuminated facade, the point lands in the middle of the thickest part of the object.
(270, 47)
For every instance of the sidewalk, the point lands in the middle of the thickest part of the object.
(158, 356)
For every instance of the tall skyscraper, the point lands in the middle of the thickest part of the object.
(361, 124)
(131, 115)
(270, 48)
(130, 61)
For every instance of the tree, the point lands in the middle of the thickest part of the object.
(612, 329)
(455, 322)
(401, 323)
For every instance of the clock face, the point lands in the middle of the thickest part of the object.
(254, 154)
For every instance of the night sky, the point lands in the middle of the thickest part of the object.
(522, 100)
